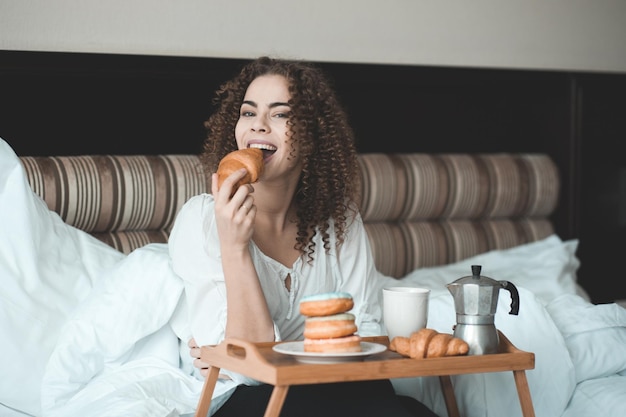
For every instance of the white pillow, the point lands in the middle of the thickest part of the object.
(546, 267)
(551, 382)
(594, 334)
(47, 267)
(604, 397)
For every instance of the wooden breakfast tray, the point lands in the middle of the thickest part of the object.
(259, 361)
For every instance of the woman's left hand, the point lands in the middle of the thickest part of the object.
(194, 352)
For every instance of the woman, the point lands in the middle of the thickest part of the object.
(248, 260)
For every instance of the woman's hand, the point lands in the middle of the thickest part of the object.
(194, 352)
(248, 316)
(234, 216)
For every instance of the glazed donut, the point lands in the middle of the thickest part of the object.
(344, 344)
(326, 304)
(326, 327)
(250, 158)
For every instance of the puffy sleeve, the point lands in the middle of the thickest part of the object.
(195, 254)
(360, 278)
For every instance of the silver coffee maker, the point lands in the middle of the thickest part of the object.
(475, 302)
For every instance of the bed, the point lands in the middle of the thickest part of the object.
(83, 259)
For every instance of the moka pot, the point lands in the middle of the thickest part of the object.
(475, 302)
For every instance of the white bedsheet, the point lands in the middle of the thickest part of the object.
(87, 331)
(119, 350)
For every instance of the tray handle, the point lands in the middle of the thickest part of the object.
(241, 350)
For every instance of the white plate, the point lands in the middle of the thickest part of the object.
(296, 349)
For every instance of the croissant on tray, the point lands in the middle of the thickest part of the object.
(429, 343)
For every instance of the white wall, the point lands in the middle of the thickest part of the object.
(586, 35)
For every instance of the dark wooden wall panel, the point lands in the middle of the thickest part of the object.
(603, 185)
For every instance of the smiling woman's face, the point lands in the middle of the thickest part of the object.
(263, 121)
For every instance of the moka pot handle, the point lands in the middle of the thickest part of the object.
(507, 285)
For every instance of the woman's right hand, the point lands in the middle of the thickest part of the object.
(234, 220)
(234, 216)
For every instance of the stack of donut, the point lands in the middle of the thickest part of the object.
(328, 327)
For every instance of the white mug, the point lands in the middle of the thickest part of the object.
(405, 310)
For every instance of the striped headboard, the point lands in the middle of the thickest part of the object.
(125, 201)
(419, 209)
(433, 209)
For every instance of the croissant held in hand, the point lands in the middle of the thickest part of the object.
(249, 158)
(429, 343)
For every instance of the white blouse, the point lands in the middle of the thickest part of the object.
(195, 252)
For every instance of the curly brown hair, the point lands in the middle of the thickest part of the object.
(329, 183)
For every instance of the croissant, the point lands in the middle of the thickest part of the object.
(429, 343)
(250, 158)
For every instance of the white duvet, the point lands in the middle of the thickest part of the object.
(87, 331)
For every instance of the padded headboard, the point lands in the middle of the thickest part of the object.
(419, 209)
(433, 209)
